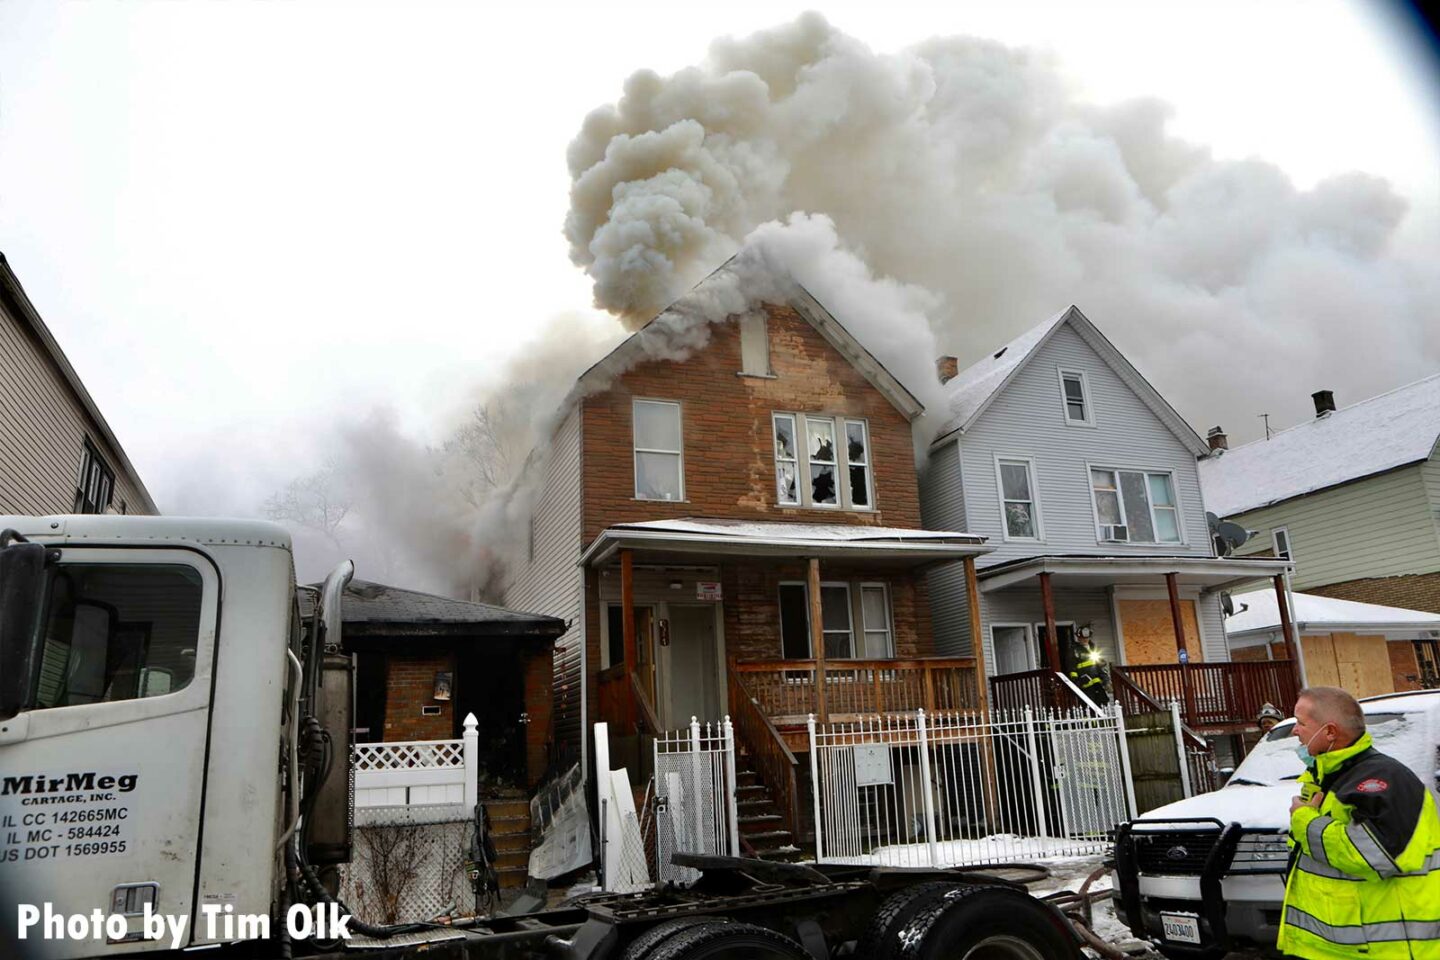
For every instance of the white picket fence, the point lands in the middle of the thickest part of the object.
(949, 789)
(695, 805)
(419, 772)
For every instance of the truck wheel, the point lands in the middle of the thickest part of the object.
(881, 940)
(641, 946)
(986, 923)
(728, 941)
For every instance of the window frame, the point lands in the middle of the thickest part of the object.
(1174, 505)
(889, 612)
(95, 481)
(1086, 398)
(1146, 473)
(1275, 534)
(1032, 477)
(636, 449)
(753, 320)
(793, 460)
(854, 604)
(804, 487)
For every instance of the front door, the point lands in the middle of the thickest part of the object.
(691, 664)
(1014, 650)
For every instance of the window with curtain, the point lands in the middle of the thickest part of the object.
(659, 457)
(1135, 506)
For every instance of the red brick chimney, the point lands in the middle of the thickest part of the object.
(947, 368)
(1217, 439)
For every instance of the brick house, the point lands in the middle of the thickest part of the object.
(61, 455)
(734, 528)
(1352, 498)
(423, 662)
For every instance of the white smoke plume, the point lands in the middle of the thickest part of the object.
(958, 192)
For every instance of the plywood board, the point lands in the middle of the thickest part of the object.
(1150, 631)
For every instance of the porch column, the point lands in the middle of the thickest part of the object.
(977, 641)
(627, 619)
(1052, 641)
(1182, 653)
(1287, 628)
(817, 641)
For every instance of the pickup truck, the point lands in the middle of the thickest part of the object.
(1207, 874)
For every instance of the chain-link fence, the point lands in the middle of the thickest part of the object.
(410, 863)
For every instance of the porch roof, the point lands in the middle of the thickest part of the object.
(745, 538)
(1258, 614)
(1210, 573)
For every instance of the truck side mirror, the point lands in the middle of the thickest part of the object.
(22, 582)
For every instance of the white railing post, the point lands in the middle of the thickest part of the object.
(1042, 822)
(1131, 809)
(815, 774)
(1180, 748)
(927, 794)
(472, 762)
(694, 828)
(732, 806)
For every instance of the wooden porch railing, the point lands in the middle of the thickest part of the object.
(773, 759)
(624, 704)
(787, 691)
(1037, 689)
(1215, 694)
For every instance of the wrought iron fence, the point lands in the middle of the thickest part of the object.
(949, 789)
(695, 806)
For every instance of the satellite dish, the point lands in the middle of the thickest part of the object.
(1228, 536)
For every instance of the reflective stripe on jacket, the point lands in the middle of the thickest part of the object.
(1366, 873)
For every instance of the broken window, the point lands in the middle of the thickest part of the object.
(1077, 403)
(786, 459)
(659, 461)
(794, 622)
(1018, 500)
(820, 446)
(1135, 506)
(812, 469)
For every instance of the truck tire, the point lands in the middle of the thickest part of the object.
(640, 947)
(986, 923)
(728, 941)
(881, 940)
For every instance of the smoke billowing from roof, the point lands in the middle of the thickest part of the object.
(960, 192)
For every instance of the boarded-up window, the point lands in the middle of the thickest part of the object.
(754, 345)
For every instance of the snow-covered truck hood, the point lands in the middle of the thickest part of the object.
(1253, 807)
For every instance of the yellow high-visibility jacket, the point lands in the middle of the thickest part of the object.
(1365, 880)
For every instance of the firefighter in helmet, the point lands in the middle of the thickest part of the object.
(1088, 673)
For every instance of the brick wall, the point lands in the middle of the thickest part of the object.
(728, 445)
(409, 686)
(1420, 591)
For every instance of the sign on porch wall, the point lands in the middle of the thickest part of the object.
(707, 590)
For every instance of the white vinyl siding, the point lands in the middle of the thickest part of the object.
(1126, 435)
(1381, 526)
(43, 428)
(942, 507)
(552, 583)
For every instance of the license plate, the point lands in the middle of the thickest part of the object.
(1180, 927)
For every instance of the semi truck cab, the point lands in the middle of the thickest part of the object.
(147, 693)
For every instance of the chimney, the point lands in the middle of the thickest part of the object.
(1217, 438)
(1324, 402)
(947, 368)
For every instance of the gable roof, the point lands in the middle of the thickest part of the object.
(13, 295)
(678, 329)
(1373, 436)
(971, 393)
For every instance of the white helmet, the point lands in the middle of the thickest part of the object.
(1270, 712)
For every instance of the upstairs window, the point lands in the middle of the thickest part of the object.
(754, 346)
(1281, 537)
(1134, 506)
(815, 467)
(95, 484)
(659, 457)
(1076, 396)
(1017, 499)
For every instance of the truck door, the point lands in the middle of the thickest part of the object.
(102, 777)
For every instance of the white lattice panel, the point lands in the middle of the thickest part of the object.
(410, 755)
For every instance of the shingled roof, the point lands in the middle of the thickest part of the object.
(372, 609)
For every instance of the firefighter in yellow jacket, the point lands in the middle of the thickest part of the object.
(1365, 876)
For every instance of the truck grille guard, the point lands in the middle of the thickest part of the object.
(1217, 864)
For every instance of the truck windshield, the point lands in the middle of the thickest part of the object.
(1273, 760)
(118, 632)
